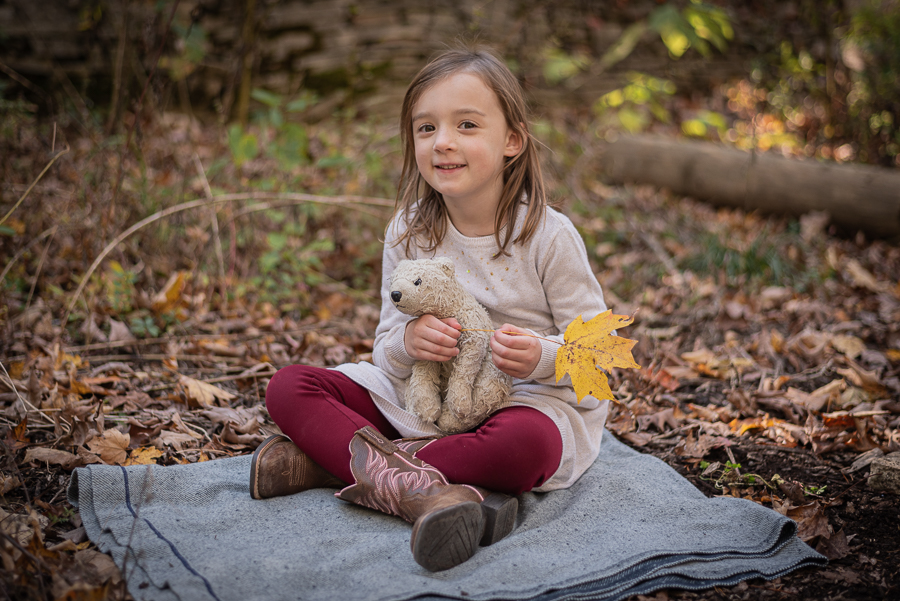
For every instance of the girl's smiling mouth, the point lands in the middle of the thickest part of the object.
(449, 167)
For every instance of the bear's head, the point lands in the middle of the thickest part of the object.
(426, 286)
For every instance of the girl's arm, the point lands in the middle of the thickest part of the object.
(571, 289)
(389, 352)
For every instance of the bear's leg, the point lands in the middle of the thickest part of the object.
(423, 391)
(459, 398)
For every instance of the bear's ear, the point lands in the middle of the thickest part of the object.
(446, 266)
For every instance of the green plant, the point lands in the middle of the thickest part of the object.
(190, 47)
(636, 105)
(284, 140)
(760, 260)
(144, 327)
(292, 261)
(120, 288)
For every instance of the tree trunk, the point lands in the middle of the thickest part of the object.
(855, 196)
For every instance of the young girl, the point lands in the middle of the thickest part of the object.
(471, 190)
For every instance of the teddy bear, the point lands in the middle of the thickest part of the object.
(458, 394)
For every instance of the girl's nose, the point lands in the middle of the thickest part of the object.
(444, 140)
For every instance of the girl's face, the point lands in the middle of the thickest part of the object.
(461, 140)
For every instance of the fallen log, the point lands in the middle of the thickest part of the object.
(855, 196)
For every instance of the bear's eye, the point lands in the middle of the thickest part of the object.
(417, 282)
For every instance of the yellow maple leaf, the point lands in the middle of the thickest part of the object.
(590, 349)
(144, 456)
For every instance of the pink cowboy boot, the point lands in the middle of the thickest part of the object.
(499, 509)
(448, 520)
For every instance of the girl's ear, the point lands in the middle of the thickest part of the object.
(514, 143)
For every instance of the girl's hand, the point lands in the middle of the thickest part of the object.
(515, 355)
(428, 338)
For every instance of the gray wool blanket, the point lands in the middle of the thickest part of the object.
(630, 525)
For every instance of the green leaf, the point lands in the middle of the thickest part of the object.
(277, 240)
(5, 230)
(632, 120)
(694, 127)
(306, 100)
(332, 161)
(559, 66)
(243, 146)
(623, 46)
(267, 98)
(291, 145)
(268, 261)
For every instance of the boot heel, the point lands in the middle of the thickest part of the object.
(447, 537)
(499, 517)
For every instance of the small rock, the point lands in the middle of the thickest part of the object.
(884, 473)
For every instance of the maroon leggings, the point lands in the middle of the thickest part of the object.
(515, 450)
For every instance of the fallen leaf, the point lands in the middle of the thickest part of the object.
(100, 565)
(589, 349)
(173, 439)
(638, 439)
(144, 456)
(15, 437)
(863, 278)
(804, 399)
(8, 483)
(835, 546)
(810, 518)
(22, 527)
(865, 379)
(118, 331)
(201, 394)
(230, 435)
(699, 447)
(169, 297)
(52, 456)
(111, 447)
(851, 346)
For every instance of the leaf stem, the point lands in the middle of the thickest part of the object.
(514, 334)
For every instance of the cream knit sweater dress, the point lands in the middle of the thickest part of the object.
(542, 287)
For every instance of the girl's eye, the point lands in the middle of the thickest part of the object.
(417, 282)
(467, 125)
(426, 128)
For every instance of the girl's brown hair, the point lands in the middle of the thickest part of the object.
(523, 181)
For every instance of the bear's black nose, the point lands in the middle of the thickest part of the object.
(396, 295)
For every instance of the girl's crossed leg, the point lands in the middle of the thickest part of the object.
(514, 450)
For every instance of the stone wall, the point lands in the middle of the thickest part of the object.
(359, 50)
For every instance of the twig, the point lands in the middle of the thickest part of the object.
(24, 250)
(151, 341)
(28, 191)
(163, 357)
(40, 267)
(514, 334)
(240, 376)
(186, 206)
(274, 205)
(22, 80)
(217, 241)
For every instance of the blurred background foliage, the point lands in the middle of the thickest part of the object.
(160, 103)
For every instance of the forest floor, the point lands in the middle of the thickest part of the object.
(770, 346)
